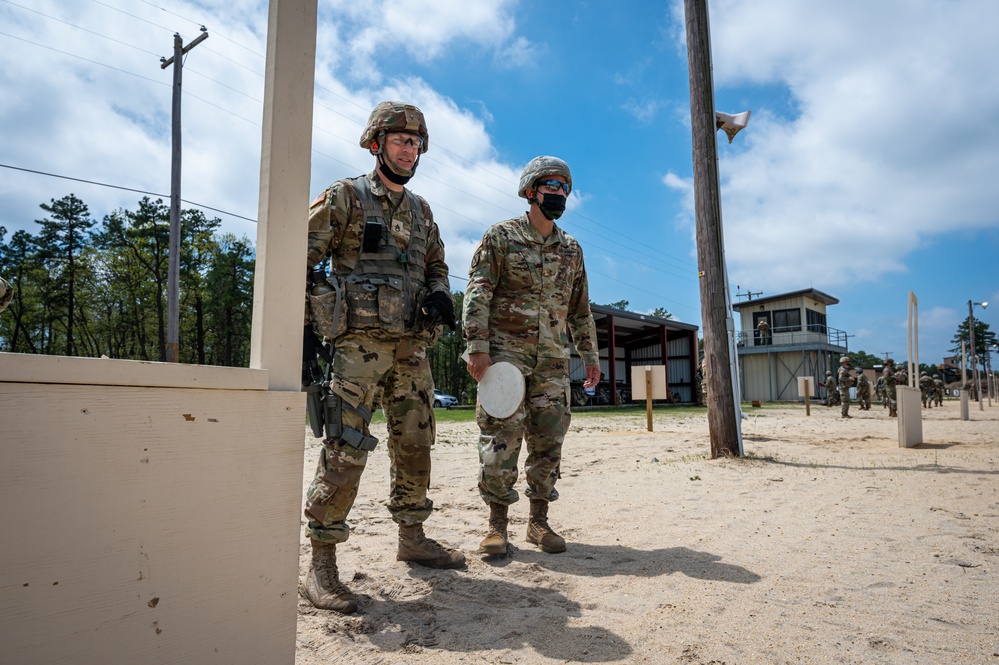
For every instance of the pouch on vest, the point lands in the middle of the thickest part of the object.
(327, 310)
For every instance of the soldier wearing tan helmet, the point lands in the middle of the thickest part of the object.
(384, 303)
(891, 379)
(527, 283)
(844, 380)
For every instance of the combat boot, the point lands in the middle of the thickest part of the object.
(495, 541)
(322, 583)
(538, 531)
(415, 547)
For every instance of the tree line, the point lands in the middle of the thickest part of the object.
(88, 288)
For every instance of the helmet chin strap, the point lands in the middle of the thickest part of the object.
(390, 171)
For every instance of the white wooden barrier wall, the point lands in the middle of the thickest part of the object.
(147, 524)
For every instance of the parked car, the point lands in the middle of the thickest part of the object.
(445, 400)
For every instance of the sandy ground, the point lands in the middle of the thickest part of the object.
(827, 544)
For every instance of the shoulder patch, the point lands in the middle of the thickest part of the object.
(319, 199)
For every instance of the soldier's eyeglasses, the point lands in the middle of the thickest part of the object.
(553, 184)
(406, 140)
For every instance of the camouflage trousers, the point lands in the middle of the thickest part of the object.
(361, 367)
(541, 421)
(892, 401)
(844, 400)
(864, 398)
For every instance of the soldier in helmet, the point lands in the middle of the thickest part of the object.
(891, 380)
(844, 380)
(6, 294)
(526, 283)
(863, 391)
(387, 260)
(832, 393)
(926, 390)
(938, 390)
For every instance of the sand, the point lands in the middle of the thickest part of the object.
(828, 543)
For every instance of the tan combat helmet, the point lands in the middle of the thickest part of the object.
(394, 117)
(844, 359)
(540, 167)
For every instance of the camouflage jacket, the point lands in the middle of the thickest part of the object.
(336, 229)
(6, 294)
(844, 379)
(523, 290)
(863, 384)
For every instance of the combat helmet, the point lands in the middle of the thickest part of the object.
(540, 167)
(889, 361)
(844, 359)
(394, 117)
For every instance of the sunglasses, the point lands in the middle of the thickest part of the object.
(404, 140)
(553, 184)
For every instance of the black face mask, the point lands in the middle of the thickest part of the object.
(552, 205)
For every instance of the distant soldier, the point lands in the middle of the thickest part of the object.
(844, 381)
(704, 380)
(938, 390)
(879, 391)
(863, 391)
(6, 294)
(890, 379)
(832, 394)
(764, 329)
(699, 388)
(926, 390)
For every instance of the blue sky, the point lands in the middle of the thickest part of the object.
(867, 169)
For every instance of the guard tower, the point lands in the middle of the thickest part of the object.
(795, 340)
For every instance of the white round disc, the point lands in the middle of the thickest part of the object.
(501, 390)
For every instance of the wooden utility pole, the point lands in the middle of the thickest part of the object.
(723, 416)
(173, 272)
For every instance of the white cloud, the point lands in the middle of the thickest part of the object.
(882, 150)
(417, 29)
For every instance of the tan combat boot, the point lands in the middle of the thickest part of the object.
(415, 547)
(495, 541)
(538, 531)
(322, 583)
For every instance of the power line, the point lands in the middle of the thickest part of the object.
(127, 189)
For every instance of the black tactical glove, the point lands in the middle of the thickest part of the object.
(310, 345)
(438, 308)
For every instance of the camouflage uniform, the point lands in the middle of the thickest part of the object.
(938, 390)
(890, 379)
(926, 390)
(863, 391)
(391, 359)
(832, 393)
(6, 294)
(523, 290)
(844, 381)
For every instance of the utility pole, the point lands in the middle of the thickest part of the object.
(173, 276)
(724, 412)
(748, 294)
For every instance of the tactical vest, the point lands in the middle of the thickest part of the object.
(388, 282)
